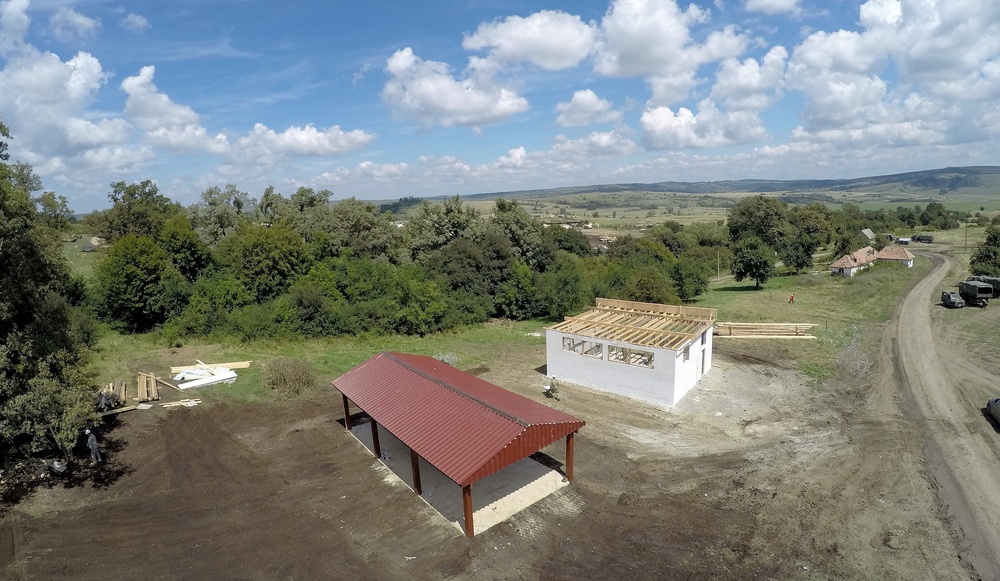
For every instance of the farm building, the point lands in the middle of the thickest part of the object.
(647, 351)
(896, 254)
(465, 427)
(851, 264)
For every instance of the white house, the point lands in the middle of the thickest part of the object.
(896, 254)
(850, 264)
(647, 351)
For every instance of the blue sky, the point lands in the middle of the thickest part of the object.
(379, 100)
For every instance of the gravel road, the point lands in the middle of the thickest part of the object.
(948, 391)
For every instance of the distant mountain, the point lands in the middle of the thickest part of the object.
(933, 180)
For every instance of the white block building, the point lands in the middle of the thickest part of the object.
(647, 351)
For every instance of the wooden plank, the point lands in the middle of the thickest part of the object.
(141, 394)
(230, 365)
(167, 383)
(117, 411)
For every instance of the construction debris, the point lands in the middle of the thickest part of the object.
(202, 365)
(219, 376)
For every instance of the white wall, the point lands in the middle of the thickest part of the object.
(666, 382)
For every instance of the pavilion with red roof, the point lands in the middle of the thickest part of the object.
(462, 425)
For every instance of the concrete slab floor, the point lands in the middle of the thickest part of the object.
(495, 498)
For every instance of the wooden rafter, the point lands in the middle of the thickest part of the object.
(662, 326)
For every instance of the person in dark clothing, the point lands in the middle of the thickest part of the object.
(95, 453)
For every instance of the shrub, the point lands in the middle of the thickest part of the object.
(288, 376)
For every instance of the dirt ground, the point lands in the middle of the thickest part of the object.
(888, 471)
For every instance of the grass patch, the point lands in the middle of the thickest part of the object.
(839, 306)
(123, 356)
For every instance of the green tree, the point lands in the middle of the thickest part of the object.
(516, 298)
(266, 260)
(54, 211)
(568, 239)
(138, 209)
(650, 285)
(758, 216)
(985, 258)
(138, 285)
(44, 397)
(796, 252)
(690, 278)
(216, 214)
(435, 225)
(186, 250)
(561, 286)
(523, 232)
(752, 259)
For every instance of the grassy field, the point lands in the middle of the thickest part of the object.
(80, 262)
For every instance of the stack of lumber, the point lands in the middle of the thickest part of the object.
(765, 330)
(147, 387)
(120, 389)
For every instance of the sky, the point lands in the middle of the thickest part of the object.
(378, 100)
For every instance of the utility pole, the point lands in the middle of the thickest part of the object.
(966, 235)
(718, 265)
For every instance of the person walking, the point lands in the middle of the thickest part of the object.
(791, 299)
(95, 452)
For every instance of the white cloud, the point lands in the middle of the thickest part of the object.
(427, 92)
(751, 85)
(150, 109)
(710, 127)
(597, 144)
(14, 24)
(68, 25)
(586, 108)
(652, 39)
(303, 141)
(383, 171)
(548, 39)
(134, 23)
(771, 6)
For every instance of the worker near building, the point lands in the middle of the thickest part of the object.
(95, 452)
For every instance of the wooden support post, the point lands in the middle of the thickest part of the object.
(470, 531)
(569, 457)
(347, 413)
(377, 448)
(415, 467)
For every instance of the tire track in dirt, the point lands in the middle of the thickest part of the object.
(959, 460)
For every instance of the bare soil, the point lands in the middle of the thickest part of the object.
(887, 471)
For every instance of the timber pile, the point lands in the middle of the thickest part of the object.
(147, 387)
(765, 330)
(120, 390)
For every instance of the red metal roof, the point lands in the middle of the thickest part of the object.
(464, 426)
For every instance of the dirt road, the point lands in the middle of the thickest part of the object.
(948, 391)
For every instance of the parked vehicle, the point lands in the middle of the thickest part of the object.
(993, 281)
(975, 293)
(927, 238)
(952, 300)
(993, 408)
(903, 241)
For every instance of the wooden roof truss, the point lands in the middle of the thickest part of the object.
(661, 326)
